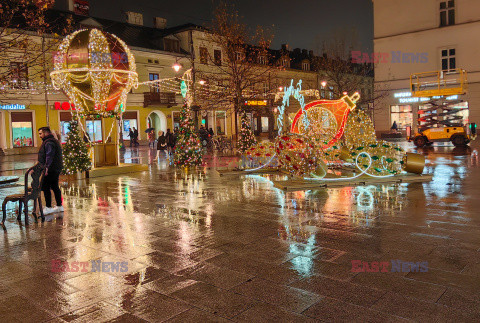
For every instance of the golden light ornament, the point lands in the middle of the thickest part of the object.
(96, 70)
(299, 156)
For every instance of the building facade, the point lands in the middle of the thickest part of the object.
(422, 36)
(156, 50)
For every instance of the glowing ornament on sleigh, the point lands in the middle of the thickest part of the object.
(329, 119)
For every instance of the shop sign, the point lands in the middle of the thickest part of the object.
(66, 106)
(12, 107)
(256, 102)
(406, 97)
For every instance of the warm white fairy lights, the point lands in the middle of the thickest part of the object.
(96, 70)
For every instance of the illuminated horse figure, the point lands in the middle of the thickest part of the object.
(330, 134)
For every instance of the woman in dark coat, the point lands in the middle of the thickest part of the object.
(161, 144)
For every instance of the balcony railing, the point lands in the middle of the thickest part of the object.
(153, 98)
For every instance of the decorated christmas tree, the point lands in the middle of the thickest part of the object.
(75, 152)
(246, 137)
(188, 149)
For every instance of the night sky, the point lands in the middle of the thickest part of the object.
(298, 23)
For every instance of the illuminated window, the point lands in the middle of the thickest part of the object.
(94, 130)
(176, 120)
(22, 129)
(447, 13)
(448, 59)
(18, 75)
(220, 122)
(238, 56)
(153, 77)
(203, 55)
(402, 115)
(262, 60)
(265, 124)
(129, 122)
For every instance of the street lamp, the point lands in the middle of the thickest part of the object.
(324, 83)
(202, 82)
(280, 88)
(176, 66)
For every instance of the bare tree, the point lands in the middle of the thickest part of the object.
(27, 40)
(243, 67)
(344, 74)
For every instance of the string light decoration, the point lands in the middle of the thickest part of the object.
(96, 70)
(331, 112)
(75, 152)
(299, 156)
(328, 134)
(246, 137)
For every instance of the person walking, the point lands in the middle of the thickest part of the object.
(131, 135)
(170, 142)
(161, 144)
(151, 139)
(135, 136)
(50, 155)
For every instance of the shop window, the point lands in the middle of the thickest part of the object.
(203, 55)
(448, 59)
(447, 13)
(129, 122)
(22, 129)
(94, 130)
(402, 115)
(220, 122)
(18, 75)
(65, 119)
(176, 121)
(217, 57)
(265, 124)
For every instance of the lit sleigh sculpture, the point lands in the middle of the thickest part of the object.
(329, 140)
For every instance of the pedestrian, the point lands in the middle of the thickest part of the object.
(394, 127)
(50, 155)
(131, 135)
(135, 136)
(151, 139)
(170, 142)
(161, 144)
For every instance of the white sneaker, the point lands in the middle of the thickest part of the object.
(48, 210)
(59, 209)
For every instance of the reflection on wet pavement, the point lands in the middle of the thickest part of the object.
(189, 245)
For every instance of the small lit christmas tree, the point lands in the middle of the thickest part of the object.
(246, 137)
(188, 149)
(75, 152)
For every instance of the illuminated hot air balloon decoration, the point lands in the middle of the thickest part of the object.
(96, 70)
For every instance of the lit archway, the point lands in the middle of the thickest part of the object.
(157, 120)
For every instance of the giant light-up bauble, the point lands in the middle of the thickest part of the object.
(96, 71)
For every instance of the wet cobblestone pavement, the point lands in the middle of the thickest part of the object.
(176, 246)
